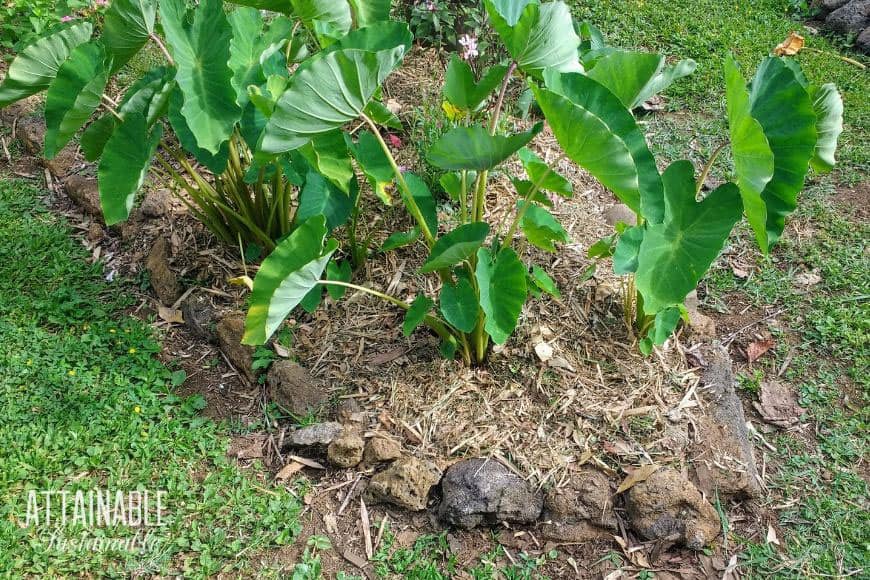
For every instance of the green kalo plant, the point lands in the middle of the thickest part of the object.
(779, 126)
(222, 74)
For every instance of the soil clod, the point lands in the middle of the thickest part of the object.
(406, 483)
(293, 388)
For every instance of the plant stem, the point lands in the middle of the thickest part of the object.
(703, 177)
(498, 104)
(290, 41)
(527, 200)
(463, 198)
(162, 47)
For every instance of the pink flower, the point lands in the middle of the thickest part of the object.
(394, 140)
(66, 18)
(101, 2)
(469, 47)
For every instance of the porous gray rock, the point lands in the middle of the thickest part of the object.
(156, 203)
(481, 491)
(405, 483)
(200, 315)
(668, 506)
(346, 450)
(316, 435)
(850, 18)
(701, 325)
(380, 450)
(613, 214)
(85, 193)
(230, 331)
(581, 511)
(162, 278)
(828, 6)
(862, 43)
(293, 388)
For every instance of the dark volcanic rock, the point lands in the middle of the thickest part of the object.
(163, 279)
(230, 331)
(479, 491)
(580, 511)
(293, 388)
(851, 18)
(200, 315)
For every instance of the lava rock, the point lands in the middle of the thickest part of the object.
(480, 491)
(156, 203)
(406, 483)
(723, 458)
(828, 6)
(346, 450)
(380, 450)
(619, 212)
(163, 279)
(63, 163)
(701, 325)
(230, 331)
(850, 18)
(85, 193)
(293, 388)
(31, 132)
(580, 511)
(200, 315)
(95, 232)
(318, 434)
(669, 507)
(862, 43)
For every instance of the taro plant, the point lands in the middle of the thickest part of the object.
(222, 74)
(780, 125)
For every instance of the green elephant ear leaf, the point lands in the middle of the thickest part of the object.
(124, 165)
(503, 291)
(456, 246)
(74, 95)
(753, 158)
(400, 239)
(285, 277)
(320, 197)
(330, 91)
(473, 148)
(828, 105)
(95, 136)
(634, 77)
(36, 65)
(338, 272)
(256, 52)
(459, 304)
(201, 52)
(784, 109)
(422, 197)
(545, 178)
(625, 255)
(541, 37)
(588, 120)
(675, 254)
(127, 24)
(328, 153)
(463, 91)
(150, 94)
(282, 6)
(317, 15)
(663, 326)
(544, 283)
(416, 314)
(373, 162)
(216, 163)
(368, 12)
(541, 228)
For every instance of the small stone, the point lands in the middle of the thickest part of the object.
(406, 483)
(230, 331)
(162, 278)
(544, 351)
(862, 43)
(31, 132)
(293, 388)
(346, 450)
(701, 325)
(850, 18)
(613, 214)
(480, 491)
(318, 434)
(85, 192)
(200, 315)
(580, 511)
(63, 163)
(156, 203)
(95, 232)
(381, 449)
(668, 506)
(607, 288)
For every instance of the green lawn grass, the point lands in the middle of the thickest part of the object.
(85, 404)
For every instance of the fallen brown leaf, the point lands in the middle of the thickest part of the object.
(170, 315)
(288, 470)
(306, 462)
(790, 46)
(756, 349)
(242, 281)
(639, 475)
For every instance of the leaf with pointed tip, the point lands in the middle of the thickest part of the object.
(541, 228)
(459, 304)
(456, 246)
(282, 6)
(74, 95)
(35, 66)
(415, 315)
(753, 158)
(675, 254)
(124, 165)
(368, 12)
(451, 183)
(127, 24)
(597, 132)
(321, 197)
(828, 105)
(338, 272)
(328, 153)
(543, 176)
(216, 163)
(784, 109)
(374, 163)
(503, 291)
(424, 200)
(95, 136)
(541, 37)
(634, 77)
(626, 251)
(201, 52)
(400, 239)
(285, 277)
(663, 326)
(463, 91)
(474, 148)
(334, 13)
(381, 115)
(252, 50)
(543, 281)
(150, 94)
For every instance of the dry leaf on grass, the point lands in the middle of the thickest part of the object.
(639, 475)
(281, 351)
(170, 315)
(288, 470)
(771, 535)
(756, 349)
(790, 46)
(807, 278)
(544, 351)
(306, 462)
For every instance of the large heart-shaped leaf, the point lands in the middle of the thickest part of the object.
(456, 246)
(625, 255)
(597, 132)
(323, 96)
(333, 14)
(36, 65)
(753, 158)
(255, 52)
(463, 91)
(828, 105)
(201, 52)
(675, 254)
(127, 24)
(537, 36)
(74, 95)
(543, 176)
(473, 148)
(368, 12)
(634, 77)
(540, 227)
(459, 304)
(124, 165)
(216, 162)
(503, 291)
(328, 153)
(784, 109)
(286, 275)
(321, 197)
(374, 163)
